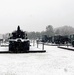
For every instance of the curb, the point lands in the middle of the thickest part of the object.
(66, 48)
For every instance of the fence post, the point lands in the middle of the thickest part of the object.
(33, 42)
(42, 45)
(37, 43)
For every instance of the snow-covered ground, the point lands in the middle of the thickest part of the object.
(55, 61)
(68, 47)
(32, 48)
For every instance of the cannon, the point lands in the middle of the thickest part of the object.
(18, 41)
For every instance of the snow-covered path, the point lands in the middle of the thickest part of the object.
(54, 62)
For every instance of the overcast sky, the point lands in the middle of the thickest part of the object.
(35, 15)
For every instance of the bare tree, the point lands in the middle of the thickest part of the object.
(49, 30)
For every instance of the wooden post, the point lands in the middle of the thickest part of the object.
(33, 42)
(42, 45)
(67, 44)
(37, 41)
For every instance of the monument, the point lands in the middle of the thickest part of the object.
(19, 42)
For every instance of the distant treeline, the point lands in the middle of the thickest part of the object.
(50, 31)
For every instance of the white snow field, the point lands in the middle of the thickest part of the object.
(54, 61)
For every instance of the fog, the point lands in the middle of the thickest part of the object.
(35, 15)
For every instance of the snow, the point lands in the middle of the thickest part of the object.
(32, 48)
(3, 49)
(68, 47)
(55, 61)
